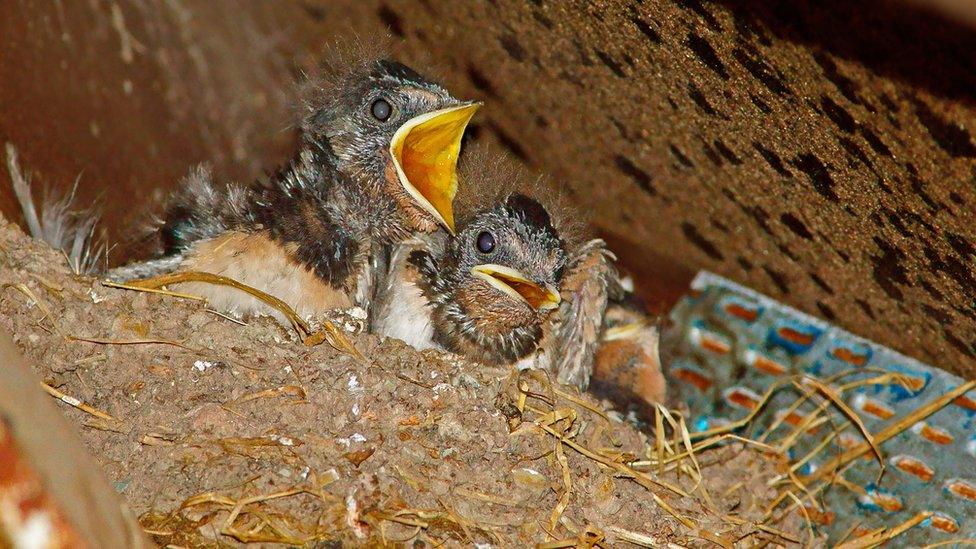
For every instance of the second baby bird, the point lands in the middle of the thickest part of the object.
(517, 284)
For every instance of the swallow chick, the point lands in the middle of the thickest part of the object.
(627, 364)
(496, 291)
(485, 293)
(376, 163)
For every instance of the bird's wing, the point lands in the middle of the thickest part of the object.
(576, 334)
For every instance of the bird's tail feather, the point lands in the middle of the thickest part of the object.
(64, 228)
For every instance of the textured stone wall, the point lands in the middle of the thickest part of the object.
(819, 152)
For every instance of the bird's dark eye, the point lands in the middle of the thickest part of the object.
(485, 242)
(381, 109)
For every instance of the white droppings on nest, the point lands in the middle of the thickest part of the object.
(353, 384)
(350, 327)
(96, 299)
(442, 387)
(287, 369)
(357, 437)
(357, 312)
(355, 409)
(284, 441)
(433, 375)
(203, 365)
(532, 472)
(344, 441)
(352, 517)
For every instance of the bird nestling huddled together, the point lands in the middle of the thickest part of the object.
(378, 210)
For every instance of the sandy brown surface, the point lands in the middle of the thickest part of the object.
(206, 413)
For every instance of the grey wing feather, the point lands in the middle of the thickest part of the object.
(145, 269)
(578, 325)
(59, 224)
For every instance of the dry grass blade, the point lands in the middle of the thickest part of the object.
(196, 276)
(121, 286)
(102, 341)
(331, 333)
(747, 419)
(336, 339)
(809, 422)
(851, 415)
(488, 498)
(883, 379)
(567, 487)
(689, 447)
(399, 518)
(581, 403)
(292, 390)
(548, 419)
(254, 525)
(457, 520)
(762, 528)
(788, 412)
(815, 451)
(883, 535)
(22, 288)
(558, 544)
(74, 402)
(638, 539)
(806, 519)
(890, 431)
(716, 539)
(623, 469)
(239, 506)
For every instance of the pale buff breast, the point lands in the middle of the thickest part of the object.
(257, 261)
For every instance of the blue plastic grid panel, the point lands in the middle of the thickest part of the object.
(728, 345)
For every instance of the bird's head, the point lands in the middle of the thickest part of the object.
(506, 264)
(386, 123)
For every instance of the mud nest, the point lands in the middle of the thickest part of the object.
(218, 431)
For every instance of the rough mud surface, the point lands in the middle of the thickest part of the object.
(397, 446)
(819, 152)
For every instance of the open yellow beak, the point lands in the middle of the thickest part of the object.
(425, 151)
(515, 284)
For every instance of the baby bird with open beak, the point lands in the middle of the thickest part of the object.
(379, 146)
(504, 290)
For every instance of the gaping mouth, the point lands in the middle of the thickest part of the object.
(515, 284)
(425, 151)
